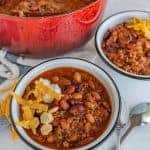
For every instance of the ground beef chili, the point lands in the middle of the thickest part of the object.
(128, 49)
(41, 7)
(84, 110)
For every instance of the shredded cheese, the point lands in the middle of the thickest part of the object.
(27, 113)
(29, 124)
(4, 112)
(41, 89)
(140, 25)
(4, 108)
(13, 134)
(32, 104)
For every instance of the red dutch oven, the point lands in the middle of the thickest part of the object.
(50, 36)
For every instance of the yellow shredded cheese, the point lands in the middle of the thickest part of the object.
(140, 25)
(4, 108)
(29, 124)
(30, 103)
(41, 89)
(13, 134)
(4, 112)
(27, 113)
(37, 104)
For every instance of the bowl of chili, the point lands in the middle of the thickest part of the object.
(80, 113)
(123, 42)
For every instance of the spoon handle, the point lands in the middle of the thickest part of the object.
(135, 120)
(126, 133)
(118, 145)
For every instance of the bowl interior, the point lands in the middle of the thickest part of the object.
(67, 62)
(111, 22)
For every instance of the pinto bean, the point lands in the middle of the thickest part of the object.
(91, 84)
(66, 97)
(96, 95)
(77, 96)
(87, 127)
(55, 79)
(64, 124)
(70, 89)
(106, 105)
(77, 77)
(90, 105)
(82, 87)
(51, 139)
(90, 118)
(66, 144)
(73, 138)
(75, 102)
(64, 105)
(64, 82)
(147, 44)
(89, 97)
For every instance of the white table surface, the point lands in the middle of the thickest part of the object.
(132, 91)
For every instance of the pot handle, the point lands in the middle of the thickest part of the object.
(92, 13)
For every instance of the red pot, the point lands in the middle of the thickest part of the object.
(49, 36)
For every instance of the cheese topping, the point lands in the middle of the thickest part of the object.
(140, 25)
(44, 92)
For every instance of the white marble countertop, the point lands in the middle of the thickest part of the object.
(132, 91)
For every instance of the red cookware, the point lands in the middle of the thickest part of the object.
(50, 36)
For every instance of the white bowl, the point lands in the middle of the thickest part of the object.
(111, 22)
(98, 72)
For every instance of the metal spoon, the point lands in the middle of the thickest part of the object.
(139, 115)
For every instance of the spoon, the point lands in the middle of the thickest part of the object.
(139, 115)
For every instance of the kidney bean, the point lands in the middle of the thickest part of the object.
(91, 84)
(77, 96)
(64, 105)
(77, 109)
(55, 79)
(70, 89)
(77, 77)
(2, 2)
(148, 53)
(56, 102)
(90, 118)
(96, 95)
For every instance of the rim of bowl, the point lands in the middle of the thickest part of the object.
(53, 16)
(104, 57)
(84, 60)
